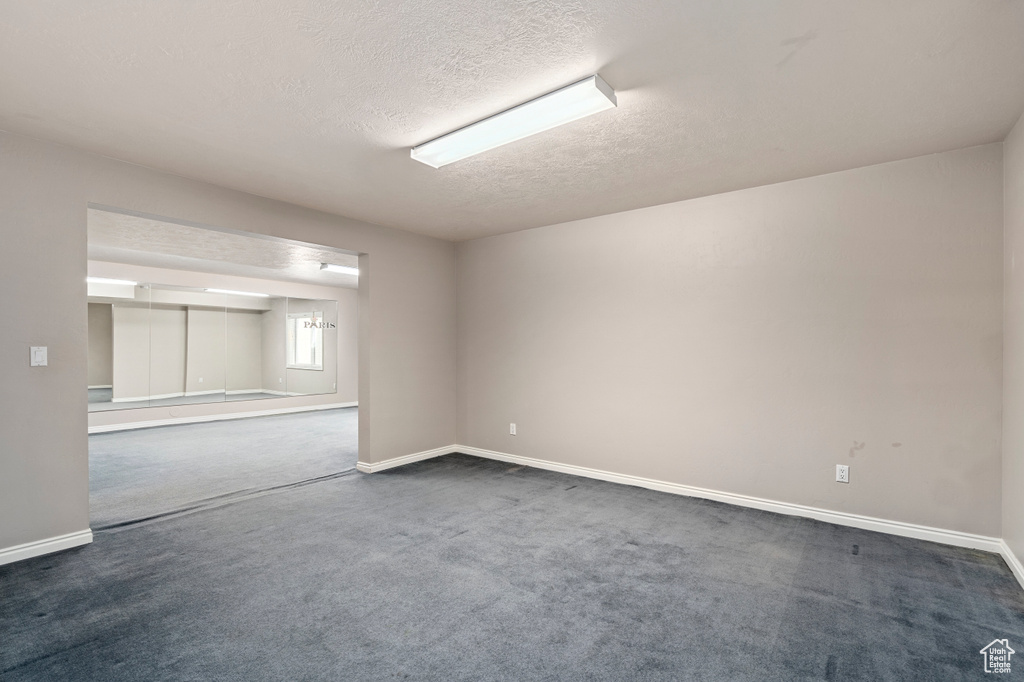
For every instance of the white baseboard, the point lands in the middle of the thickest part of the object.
(102, 386)
(903, 529)
(127, 426)
(909, 530)
(1012, 561)
(9, 555)
(368, 468)
(189, 394)
(137, 399)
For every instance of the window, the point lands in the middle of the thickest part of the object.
(305, 341)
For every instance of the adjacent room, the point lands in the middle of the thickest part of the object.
(512, 341)
(221, 364)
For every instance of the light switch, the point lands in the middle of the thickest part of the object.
(37, 356)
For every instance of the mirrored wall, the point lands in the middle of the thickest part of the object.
(159, 345)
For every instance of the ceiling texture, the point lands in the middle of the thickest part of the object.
(122, 238)
(317, 102)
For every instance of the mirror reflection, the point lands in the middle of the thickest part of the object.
(157, 345)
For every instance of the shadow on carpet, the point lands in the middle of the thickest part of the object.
(148, 473)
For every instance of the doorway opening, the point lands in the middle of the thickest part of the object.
(221, 364)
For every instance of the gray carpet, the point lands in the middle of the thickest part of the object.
(465, 569)
(147, 472)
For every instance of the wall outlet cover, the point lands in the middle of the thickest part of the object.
(37, 356)
(842, 473)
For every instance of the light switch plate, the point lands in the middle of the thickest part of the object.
(37, 356)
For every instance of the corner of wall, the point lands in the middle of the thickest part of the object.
(1013, 352)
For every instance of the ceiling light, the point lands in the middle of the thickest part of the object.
(106, 280)
(572, 102)
(342, 269)
(236, 293)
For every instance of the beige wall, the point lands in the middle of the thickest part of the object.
(1013, 359)
(167, 339)
(180, 345)
(131, 333)
(273, 346)
(245, 351)
(206, 357)
(272, 363)
(749, 342)
(746, 342)
(406, 297)
(101, 353)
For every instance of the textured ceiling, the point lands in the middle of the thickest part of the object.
(120, 238)
(317, 102)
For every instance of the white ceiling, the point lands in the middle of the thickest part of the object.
(120, 238)
(317, 102)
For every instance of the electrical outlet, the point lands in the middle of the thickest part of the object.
(842, 473)
(511, 429)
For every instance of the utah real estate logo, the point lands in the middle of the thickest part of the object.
(997, 656)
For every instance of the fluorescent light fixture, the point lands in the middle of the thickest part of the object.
(341, 269)
(107, 280)
(572, 102)
(235, 293)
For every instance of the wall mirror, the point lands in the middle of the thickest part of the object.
(158, 345)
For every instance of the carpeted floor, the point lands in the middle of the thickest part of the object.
(139, 474)
(465, 569)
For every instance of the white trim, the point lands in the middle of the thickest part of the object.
(127, 426)
(9, 555)
(189, 394)
(102, 386)
(1012, 561)
(179, 394)
(161, 396)
(370, 468)
(901, 528)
